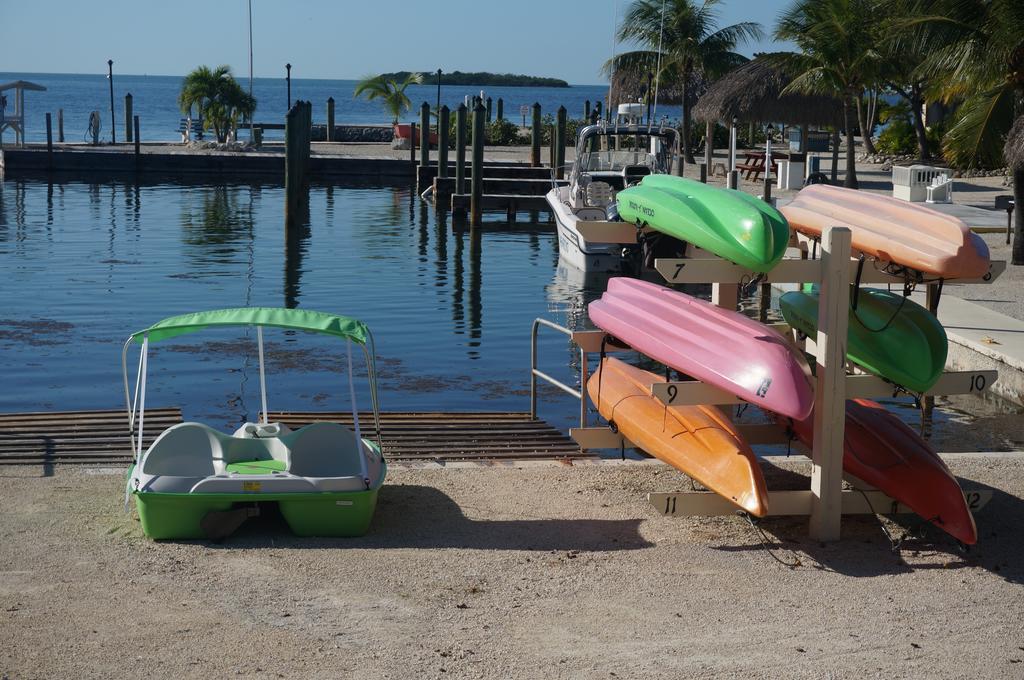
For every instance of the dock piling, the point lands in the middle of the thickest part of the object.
(442, 141)
(138, 140)
(424, 134)
(49, 143)
(703, 172)
(297, 128)
(501, 109)
(477, 183)
(535, 137)
(597, 107)
(560, 143)
(552, 157)
(460, 149)
(60, 125)
(330, 119)
(586, 110)
(412, 147)
(489, 104)
(128, 117)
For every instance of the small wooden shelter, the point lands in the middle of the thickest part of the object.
(12, 113)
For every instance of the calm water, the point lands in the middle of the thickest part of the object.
(154, 100)
(85, 264)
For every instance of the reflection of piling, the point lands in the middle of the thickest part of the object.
(560, 143)
(442, 142)
(330, 119)
(477, 182)
(424, 135)
(460, 149)
(128, 117)
(535, 137)
(297, 128)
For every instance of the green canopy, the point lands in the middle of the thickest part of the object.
(299, 319)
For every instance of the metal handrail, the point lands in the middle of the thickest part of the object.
(536, 373)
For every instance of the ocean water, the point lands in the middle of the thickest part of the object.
(154, 100)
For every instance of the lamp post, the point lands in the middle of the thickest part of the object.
(110, 77)
(288, 79)
(438, 109)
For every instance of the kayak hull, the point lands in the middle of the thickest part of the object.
(699, 441)
(726, 222)
(907, 234)
(889, 335)
(881, 450)
(718, 346)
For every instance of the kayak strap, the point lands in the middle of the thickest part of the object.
(856, 282)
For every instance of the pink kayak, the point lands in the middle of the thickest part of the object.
(715, 345)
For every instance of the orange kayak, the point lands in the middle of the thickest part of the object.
(699, 441)
(883, 451)
(892, 230)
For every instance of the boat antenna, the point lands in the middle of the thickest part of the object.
(615, 22)
(657, 71)
(251, 114)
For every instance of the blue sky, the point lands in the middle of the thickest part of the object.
(567, 39)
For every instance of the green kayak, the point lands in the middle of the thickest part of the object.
(889, 335)
(729, 223)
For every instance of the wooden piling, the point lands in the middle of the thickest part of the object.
(297, 132)
(460, 149)
(597, 107)
(560, 143)
(535, 137)
(60, 125)
(442, 141)
(49, 143)
(501, 109)
(709, 145)
(412, 147)
(424, 134)
(330, 119)
(138, 140)
(128, 117)
(552, 156)
(477, 183)
(703, 172)
(586, 110)
(489, 105)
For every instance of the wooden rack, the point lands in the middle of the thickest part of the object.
(825, 501)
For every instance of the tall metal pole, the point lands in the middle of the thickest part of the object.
(113, 121)
(288, 78)
(438, 108)
(250, 69)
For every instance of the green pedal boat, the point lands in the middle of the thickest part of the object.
(196, 482)
(729, 223)
(889, 335)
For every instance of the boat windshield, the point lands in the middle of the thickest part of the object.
(616, 161)
(616, 149)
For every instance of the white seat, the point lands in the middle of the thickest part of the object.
(599, 194)
(185, 450)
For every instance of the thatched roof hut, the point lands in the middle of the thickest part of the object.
(750, 93)
(631, 86)
(1013, 150)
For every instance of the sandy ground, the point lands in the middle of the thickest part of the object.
(541, 572)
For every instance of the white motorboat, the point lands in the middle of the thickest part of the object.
(609, 158)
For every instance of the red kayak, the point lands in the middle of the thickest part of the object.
(883, 451)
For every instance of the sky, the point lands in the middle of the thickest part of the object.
(345, 39)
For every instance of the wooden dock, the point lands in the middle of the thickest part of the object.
(101, 437)
(510, 204)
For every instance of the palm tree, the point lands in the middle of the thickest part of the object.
(219, 98)
(977, 54)
(390, 92)
(837, 56)
(690, 45)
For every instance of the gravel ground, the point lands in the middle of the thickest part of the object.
(540, 572)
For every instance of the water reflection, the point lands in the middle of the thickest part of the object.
(296, 244)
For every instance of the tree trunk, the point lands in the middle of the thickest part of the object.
(916, 103)
(850, 181)
(687, 151)
(865, 128)
(1017, 256)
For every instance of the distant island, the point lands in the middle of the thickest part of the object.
(482, 78)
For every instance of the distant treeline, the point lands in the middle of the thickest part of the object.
(483, 78)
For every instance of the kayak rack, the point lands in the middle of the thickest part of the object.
(825, 501)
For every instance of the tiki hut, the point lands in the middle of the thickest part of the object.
(1013, 151)
(631, 85)
(750, 93)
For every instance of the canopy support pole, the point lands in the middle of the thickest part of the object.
(363, 468)
(142, 396)
(263, 373)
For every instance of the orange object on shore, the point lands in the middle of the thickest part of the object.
(892, 230)
(699, 441)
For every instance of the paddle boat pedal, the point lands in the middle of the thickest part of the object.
(197, 482)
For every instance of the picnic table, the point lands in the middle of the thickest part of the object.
(753, 164)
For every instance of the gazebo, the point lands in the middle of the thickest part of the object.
(751, 93)
(15, 119)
